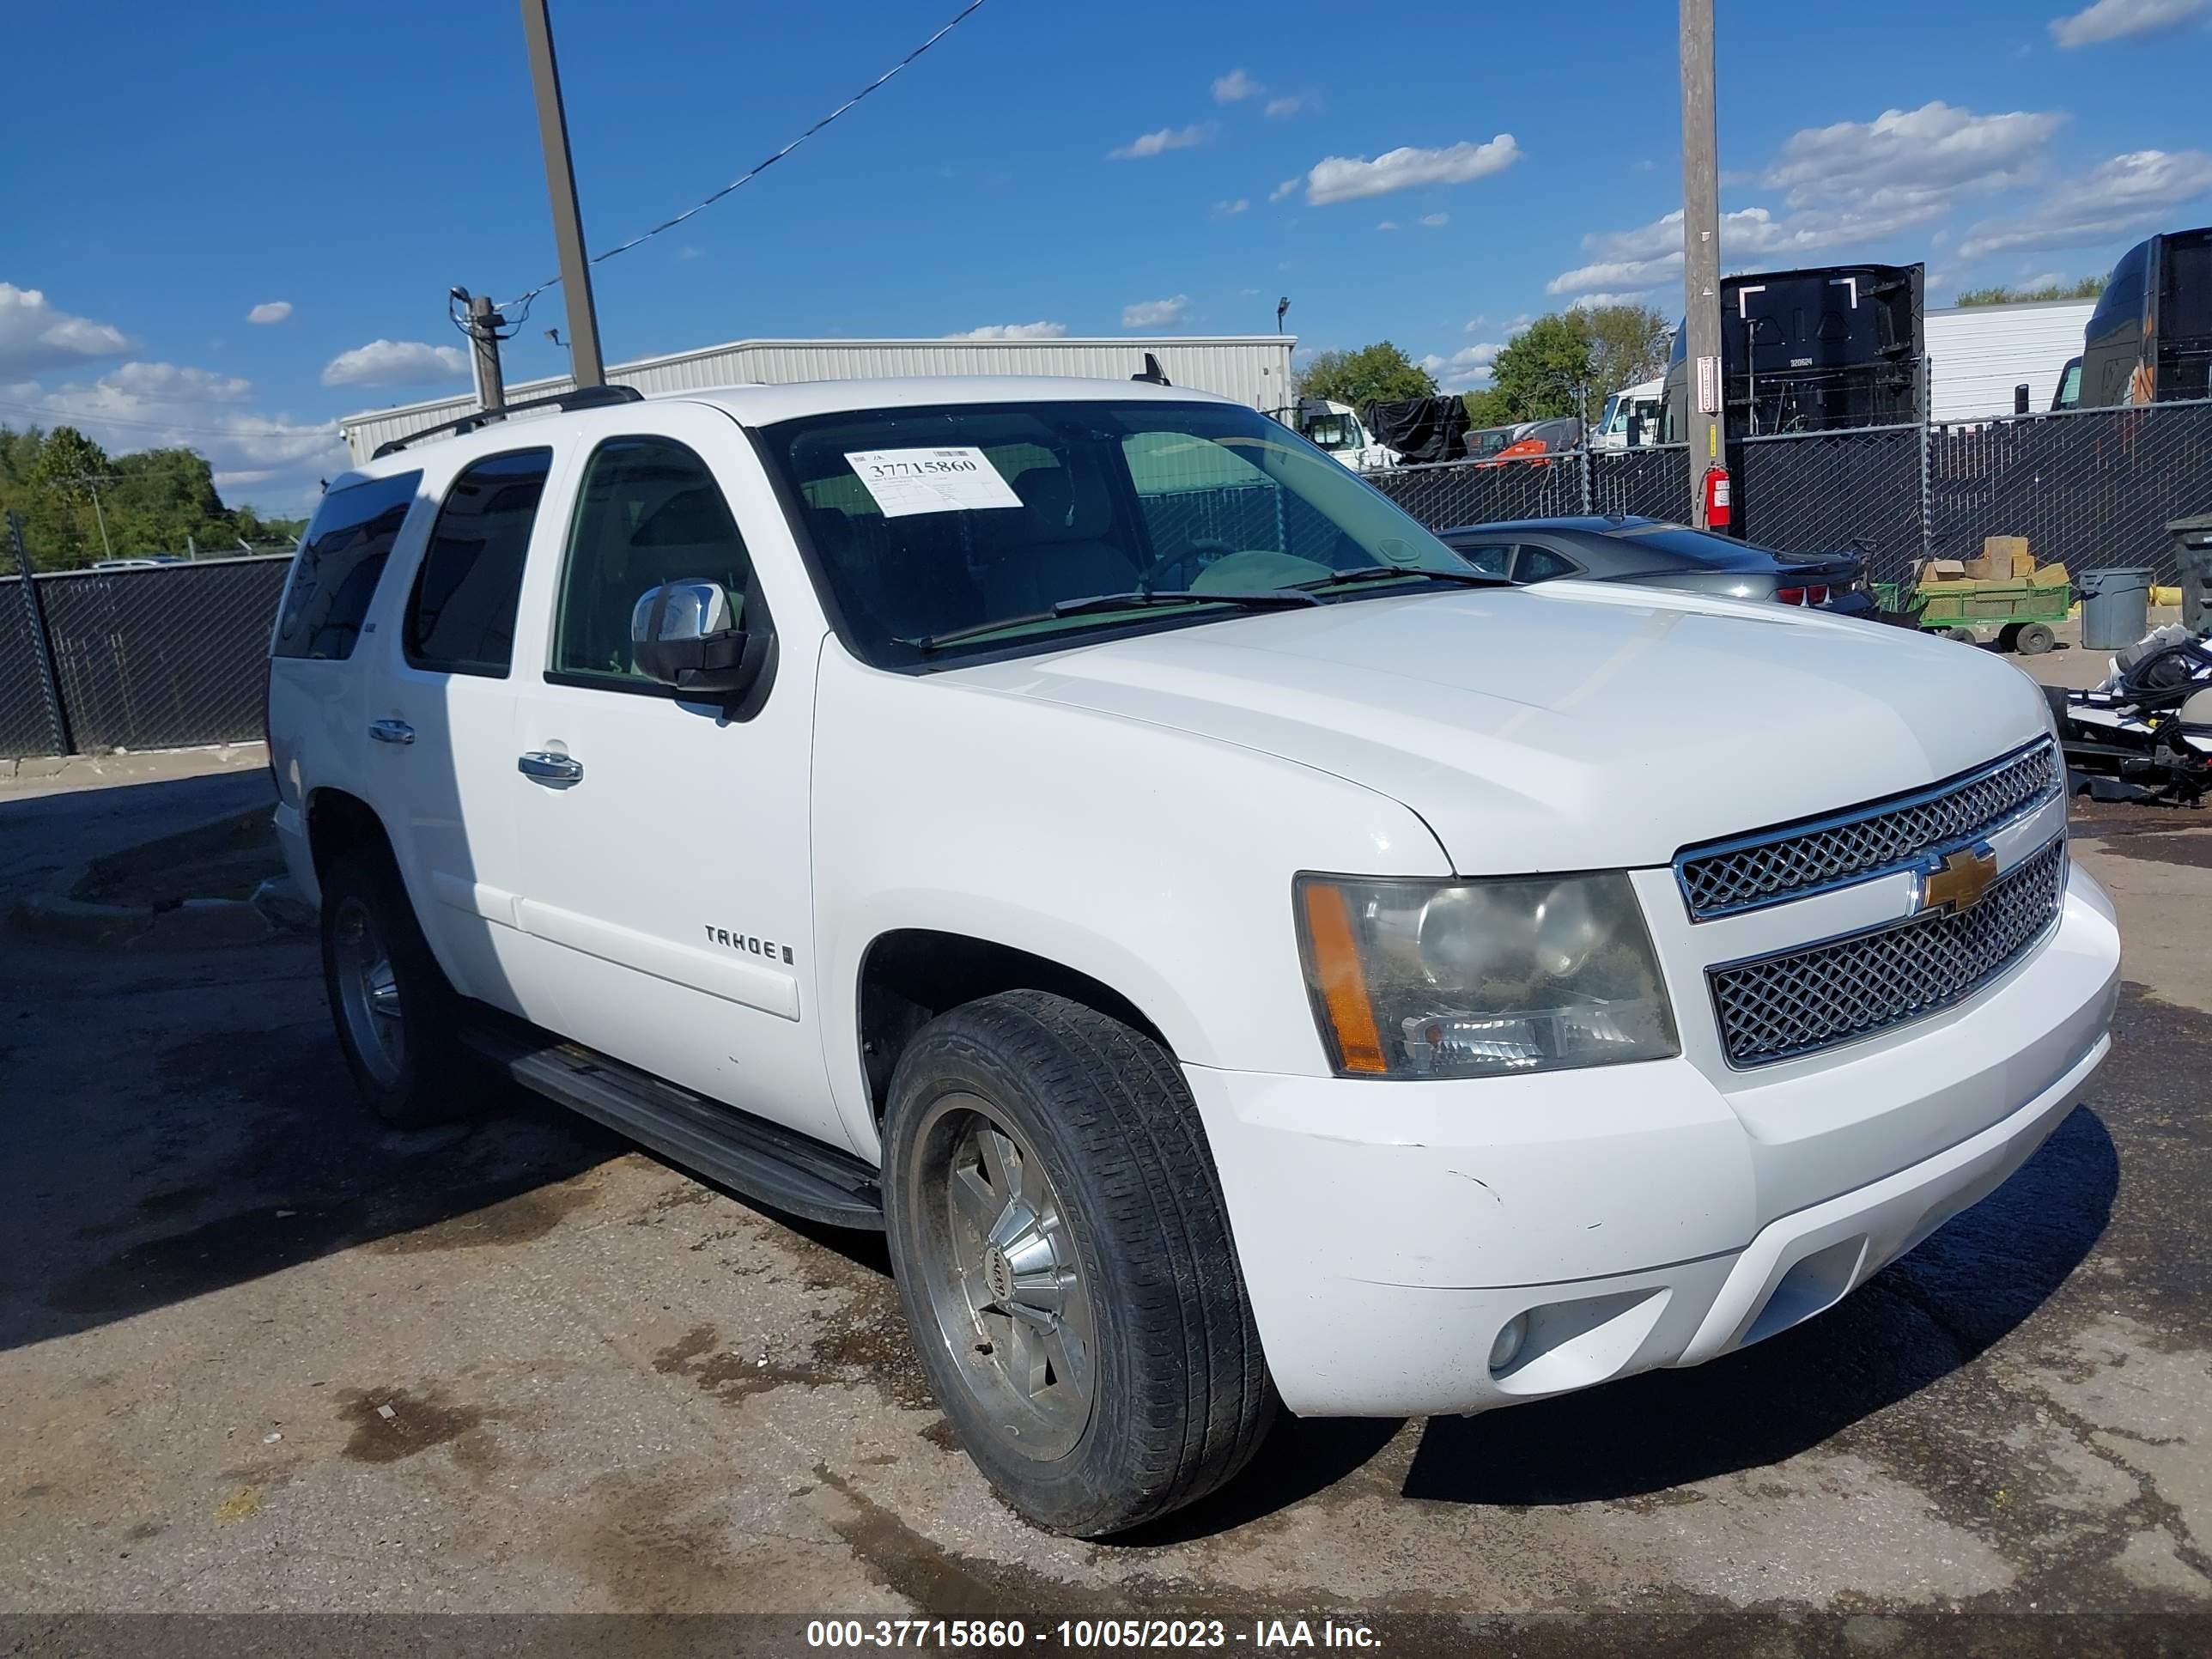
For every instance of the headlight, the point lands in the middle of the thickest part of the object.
(1481, 978)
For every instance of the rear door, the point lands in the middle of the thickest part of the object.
(440, 721)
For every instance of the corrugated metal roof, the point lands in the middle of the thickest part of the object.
(1254, 369)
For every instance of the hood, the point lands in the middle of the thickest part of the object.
(1569, 726)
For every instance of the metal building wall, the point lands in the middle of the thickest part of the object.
(1978, 354)
(1254, 369)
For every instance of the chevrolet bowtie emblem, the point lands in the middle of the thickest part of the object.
(1957, 881)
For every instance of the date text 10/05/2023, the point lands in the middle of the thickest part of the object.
(1263, 1634)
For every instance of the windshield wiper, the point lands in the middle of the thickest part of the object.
(1376, 573)
(1267, 598)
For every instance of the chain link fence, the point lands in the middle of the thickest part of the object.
(1820, 492)
(2089, 488)
(27, 722)
(1483, 492)
(152, 658)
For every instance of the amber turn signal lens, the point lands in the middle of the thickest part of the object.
(1332, 960)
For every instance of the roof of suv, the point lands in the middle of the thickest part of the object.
(764, 405)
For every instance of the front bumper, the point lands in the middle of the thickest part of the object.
(1637, 1216)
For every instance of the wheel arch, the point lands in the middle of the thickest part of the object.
(907, 975)
(337, 822)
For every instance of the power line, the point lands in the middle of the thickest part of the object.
(523, 300)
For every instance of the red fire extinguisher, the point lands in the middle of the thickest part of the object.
(1717, 498)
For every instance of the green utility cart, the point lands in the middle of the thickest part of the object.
(2021, 611)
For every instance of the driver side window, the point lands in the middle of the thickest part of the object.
(648, 511)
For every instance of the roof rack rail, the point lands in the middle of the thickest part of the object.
(584, 397)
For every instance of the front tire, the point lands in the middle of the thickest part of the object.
(394, 1010)
(1063, 1254)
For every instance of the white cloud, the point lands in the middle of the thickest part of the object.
(1433, 221)
(269, 311)
(395, 362)
(1853, 182)
(2129, 193)
(1592, 301)
(1388, 224)
(2041, 279)
(690, 251)
(1167, 138)
(1012, 331)
(1465, 369)
(1652, 253)
(1155, 314)
(1279, 109)
(1230, 209)
(2112, 19)
(1286, 188)
(168, 383)
(1909, 158)
(34, 336)
(1349, 179)
(1236, 86)
(142, 405)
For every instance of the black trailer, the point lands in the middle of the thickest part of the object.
(1813, 351)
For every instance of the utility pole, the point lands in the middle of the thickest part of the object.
(484, 325)
(1704, 391)
(561, 185)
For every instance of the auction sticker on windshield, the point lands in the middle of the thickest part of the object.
(909, 481)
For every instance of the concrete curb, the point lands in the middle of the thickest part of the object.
(58, 916)
(275, 909)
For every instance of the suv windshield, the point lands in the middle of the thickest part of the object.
(934, 522)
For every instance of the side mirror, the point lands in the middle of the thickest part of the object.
(1636, 431)
(683, 633)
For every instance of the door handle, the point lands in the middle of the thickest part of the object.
(545, 767)
(391, 731)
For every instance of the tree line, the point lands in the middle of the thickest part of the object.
(80, 505)
(1566, 362)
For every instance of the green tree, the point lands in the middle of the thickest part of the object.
(1628, 344)
(157, 500)
(1487, 407)
(2084, 288)
(1355, 378)
(1545, 371)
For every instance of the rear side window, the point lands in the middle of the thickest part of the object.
(339, 562)
(460, 618)
(1541, 564)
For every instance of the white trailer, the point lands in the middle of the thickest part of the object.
(1254, 369)
(1978, 354)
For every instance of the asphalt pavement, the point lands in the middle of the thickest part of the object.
(259, 1355)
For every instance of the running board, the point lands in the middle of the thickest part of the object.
(748, 1155)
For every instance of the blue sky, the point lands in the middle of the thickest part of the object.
(1092, 169)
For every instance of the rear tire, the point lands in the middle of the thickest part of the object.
(2034, 639)
(395, 1013)
(1063, 1254)
(2008, 637)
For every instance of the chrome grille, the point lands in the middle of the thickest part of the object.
(1800, 1001)
(1875, 839)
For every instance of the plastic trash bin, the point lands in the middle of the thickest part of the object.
(2115, 607)
(2192, 546)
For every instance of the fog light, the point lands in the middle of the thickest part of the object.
(1506, 1347)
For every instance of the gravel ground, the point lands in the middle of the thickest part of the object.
(257, 1355)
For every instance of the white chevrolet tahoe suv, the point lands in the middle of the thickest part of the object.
(1238, 953)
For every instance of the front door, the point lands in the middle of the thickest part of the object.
(665, 843)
